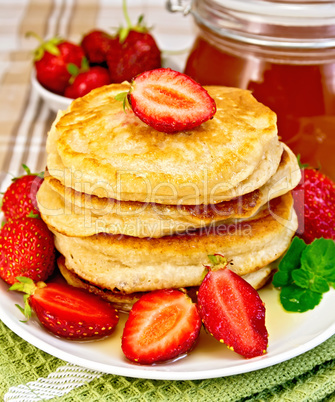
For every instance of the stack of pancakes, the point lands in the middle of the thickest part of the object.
(133, 209)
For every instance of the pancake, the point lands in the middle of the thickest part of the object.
(77, 214)
(119, 300)
(97, 148)
(124, 264)
(124, 302)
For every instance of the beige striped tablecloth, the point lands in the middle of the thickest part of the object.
(28, 374)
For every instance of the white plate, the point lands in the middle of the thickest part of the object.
(290, 334)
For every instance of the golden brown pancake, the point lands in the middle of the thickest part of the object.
(95, 147)
(77, 214)
(126, 264)
(124, 302)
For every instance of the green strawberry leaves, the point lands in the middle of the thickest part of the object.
(74, 70)
(305, 273)
(123, 97)
(28, 172)
(50, 46)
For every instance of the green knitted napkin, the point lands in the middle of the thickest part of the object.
(29, 374)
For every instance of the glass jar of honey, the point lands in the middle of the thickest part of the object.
(282, 51)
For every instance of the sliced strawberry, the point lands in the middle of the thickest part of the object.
(170, 101)
(162, 325)
(66, 311)
(233, 312)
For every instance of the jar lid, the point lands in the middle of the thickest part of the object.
(287, 12)
(276, 23)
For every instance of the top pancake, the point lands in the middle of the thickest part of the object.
(95, 147)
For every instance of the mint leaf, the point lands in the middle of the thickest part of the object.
(295, 299)
(302, 278)
(281, 278)
(320, 285)
(305, 273)
(306, 280)
(319, 258)
(289, 262)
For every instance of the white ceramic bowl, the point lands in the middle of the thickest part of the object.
(54, 102)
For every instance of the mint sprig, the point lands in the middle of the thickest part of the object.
(305, 273)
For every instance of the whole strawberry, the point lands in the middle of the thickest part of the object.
(66, 311)
(314, 202)
(51, 61)
(133, 52)
(85, 81)
(26, 249)
(19, 199)
(96, 44)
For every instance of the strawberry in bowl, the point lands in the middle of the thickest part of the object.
(64, 70)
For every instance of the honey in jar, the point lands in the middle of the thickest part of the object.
(282, 51)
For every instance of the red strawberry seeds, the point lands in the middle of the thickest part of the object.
(162, 325)
(233, 312)
(314, 202)
(170, 101)
(26, 249)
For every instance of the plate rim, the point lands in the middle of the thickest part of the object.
(150, 372)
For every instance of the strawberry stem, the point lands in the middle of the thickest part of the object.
(126, 15)
(50, 46)
(26, 168)
(32, 215)
(27, 286)
(28, 172)
(301, 165)
(218, 262)
(124, 31)
(35, 35)
(123, 97)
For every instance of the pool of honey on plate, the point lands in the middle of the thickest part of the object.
(300, 89)
(280, 325)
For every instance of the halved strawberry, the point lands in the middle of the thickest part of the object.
(66, 311)
(170, 101)
(162, 325)
(233, 312)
